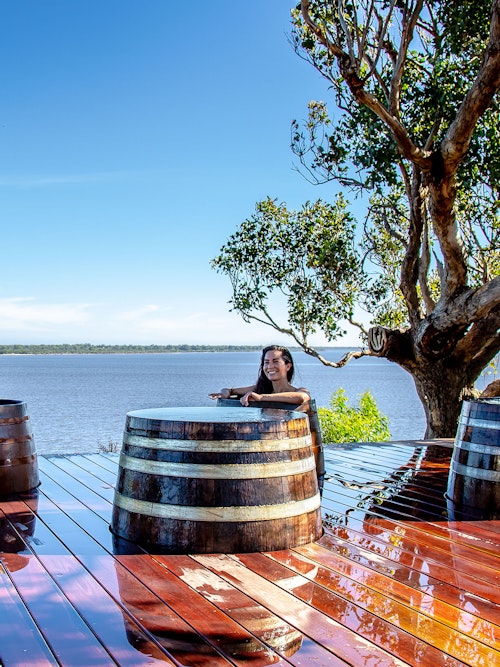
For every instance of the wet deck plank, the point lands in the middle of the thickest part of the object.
(391, 582)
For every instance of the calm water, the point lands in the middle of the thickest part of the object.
(78, 402)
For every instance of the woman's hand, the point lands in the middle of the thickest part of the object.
(223, 393)
(250, 396)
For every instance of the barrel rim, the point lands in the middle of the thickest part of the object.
(10, 401)
(12, 408)
(218, 423)
(199, 415)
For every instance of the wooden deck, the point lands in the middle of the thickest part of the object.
(391, 582)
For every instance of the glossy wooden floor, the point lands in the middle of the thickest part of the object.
(391, 582)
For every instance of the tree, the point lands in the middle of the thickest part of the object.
(414, 130)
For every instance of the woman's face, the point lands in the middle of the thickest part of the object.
(274, 366)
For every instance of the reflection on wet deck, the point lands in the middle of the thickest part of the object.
(399, 577)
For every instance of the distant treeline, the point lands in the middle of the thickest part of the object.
(87, 348)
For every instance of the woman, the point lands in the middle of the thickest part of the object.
(276, 372)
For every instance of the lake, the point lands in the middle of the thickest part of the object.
(78, 403)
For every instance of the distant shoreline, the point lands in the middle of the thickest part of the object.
(87, 348)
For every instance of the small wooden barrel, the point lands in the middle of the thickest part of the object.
(18, 460)
(312, 413)
(214, 480)
(474, 477)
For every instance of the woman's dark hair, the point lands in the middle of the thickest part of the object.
(263, 384)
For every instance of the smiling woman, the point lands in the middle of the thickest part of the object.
(276, 371)
(274, 388)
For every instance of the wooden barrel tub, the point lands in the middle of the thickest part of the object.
(310, 409)
(474, 477)
(215, 480)
(18, 459)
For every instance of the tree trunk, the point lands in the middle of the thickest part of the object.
(440, 390)
(441, 382)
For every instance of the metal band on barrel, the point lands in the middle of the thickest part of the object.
(214, 471)
(217, 445)
(13, 420)
(20, 460)
(478, 448)
(481, 423)
(222, 514)
(475, 473)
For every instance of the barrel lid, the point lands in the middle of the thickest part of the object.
(216, 422)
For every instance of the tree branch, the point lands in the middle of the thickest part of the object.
(443, 330)
(411, 261)
(349, 72)
(480, 345)
(352, 354)
(407, 36)
(452, 150)
(392, 344)
(478, 99)
(358, 325)
(380, 36)
(470, 306)
(424, 270)
(483, 335)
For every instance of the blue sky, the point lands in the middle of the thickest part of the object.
(136, 135)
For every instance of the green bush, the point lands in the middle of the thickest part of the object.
(345, 423)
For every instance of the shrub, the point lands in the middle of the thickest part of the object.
(111, 447)
(345, 423)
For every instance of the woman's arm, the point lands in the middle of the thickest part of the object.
(226, 392)
(296, 397)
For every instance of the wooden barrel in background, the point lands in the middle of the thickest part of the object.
(310, 409)
(215, 480)
(474, 477)
(18, 460)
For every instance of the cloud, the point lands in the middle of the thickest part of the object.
(28, 320)
(155, 322)
(24, 313)
(153, 318)
(139, 313)
(48, 180)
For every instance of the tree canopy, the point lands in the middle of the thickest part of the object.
(411, 123)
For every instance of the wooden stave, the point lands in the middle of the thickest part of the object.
(173, 536)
